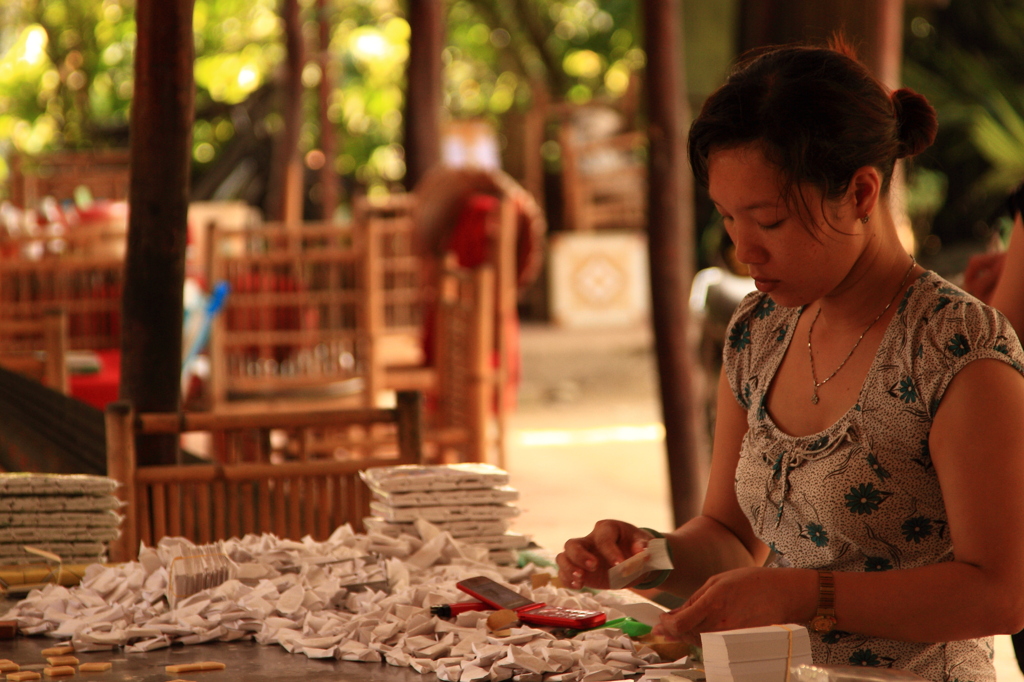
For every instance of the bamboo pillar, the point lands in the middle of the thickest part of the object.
(874, 27)
(423, 92)
(284, 201)
(161, 151)
(671, 244)
(121, 467)
(329, 187)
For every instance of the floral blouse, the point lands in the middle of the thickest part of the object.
(862, 495)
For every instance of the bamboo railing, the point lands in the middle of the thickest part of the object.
(229, 498)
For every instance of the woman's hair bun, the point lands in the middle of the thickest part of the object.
(916, 122)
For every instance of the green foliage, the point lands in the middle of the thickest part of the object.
(968, 59)
(66, 69)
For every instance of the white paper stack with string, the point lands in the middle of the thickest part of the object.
(472, 501)
(71, 515)
(762, 654)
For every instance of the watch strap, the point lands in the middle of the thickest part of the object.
(825, 618)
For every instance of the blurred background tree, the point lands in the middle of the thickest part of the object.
(66, 83)
(66, 77)
(967, 57)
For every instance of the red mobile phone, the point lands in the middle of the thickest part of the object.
(531, 612)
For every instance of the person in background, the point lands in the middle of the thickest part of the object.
(998, 279)
(868, 455)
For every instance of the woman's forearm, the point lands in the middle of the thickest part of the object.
(701, 548)
(937, 603)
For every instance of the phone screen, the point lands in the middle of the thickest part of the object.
(495, 594)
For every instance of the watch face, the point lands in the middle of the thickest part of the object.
(823, 624)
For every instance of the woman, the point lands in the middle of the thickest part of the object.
(868, 455)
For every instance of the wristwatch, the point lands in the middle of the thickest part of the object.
(825, 619)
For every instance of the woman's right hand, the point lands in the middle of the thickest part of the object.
(585, 561)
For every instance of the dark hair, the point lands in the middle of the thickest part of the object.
(815, 112)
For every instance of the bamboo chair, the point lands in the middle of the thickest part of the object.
(397, 276)
(595, 199)
(37, 348)
(403, 297)
(87, 288)
(299, 322)
(105, 173)
(459, 428)
(227, 498)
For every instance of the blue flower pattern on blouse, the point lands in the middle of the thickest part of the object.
(916, 529)
(817, 534)
(865, 499)
(846, 498)
(765, 308)
(877, 467)
(865, 657)
(908, 393)
(739, 337)
(877, 563)
(958, 346)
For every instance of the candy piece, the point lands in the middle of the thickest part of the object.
(24, 676)
(501, 619)
(8, 666)
(195, 667)
(61, 650)
(668, 649)
(95, 667)
(63, 660)
(59, 671)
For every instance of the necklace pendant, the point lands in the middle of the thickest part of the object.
(814, 398)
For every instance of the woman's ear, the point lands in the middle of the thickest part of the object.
(866, 190)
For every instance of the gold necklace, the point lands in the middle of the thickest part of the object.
(810, 352)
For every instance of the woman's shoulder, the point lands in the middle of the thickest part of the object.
(937, 304)
(954, 327)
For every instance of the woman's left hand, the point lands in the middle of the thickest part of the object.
(743, 598)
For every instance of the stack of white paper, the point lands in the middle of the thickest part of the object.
(70, 515)
(471, 501)
(761, 654)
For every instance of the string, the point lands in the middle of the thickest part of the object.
(789, 652)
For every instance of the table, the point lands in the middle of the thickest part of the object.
(245, 661)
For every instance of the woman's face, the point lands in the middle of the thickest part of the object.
(794, 264)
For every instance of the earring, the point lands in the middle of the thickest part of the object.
(866, 218)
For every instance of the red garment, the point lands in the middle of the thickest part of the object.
(99, 388)
(470, 243)
(469, 240)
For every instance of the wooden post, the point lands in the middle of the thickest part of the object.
(874, 27)
(482, 379)
(671, 244)
(370, 266)
(410, 426)
(121, 463)
(55, 341)
(422, 120)
(329, 181)
(161, 151)
(284, 202)
(506, 298)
